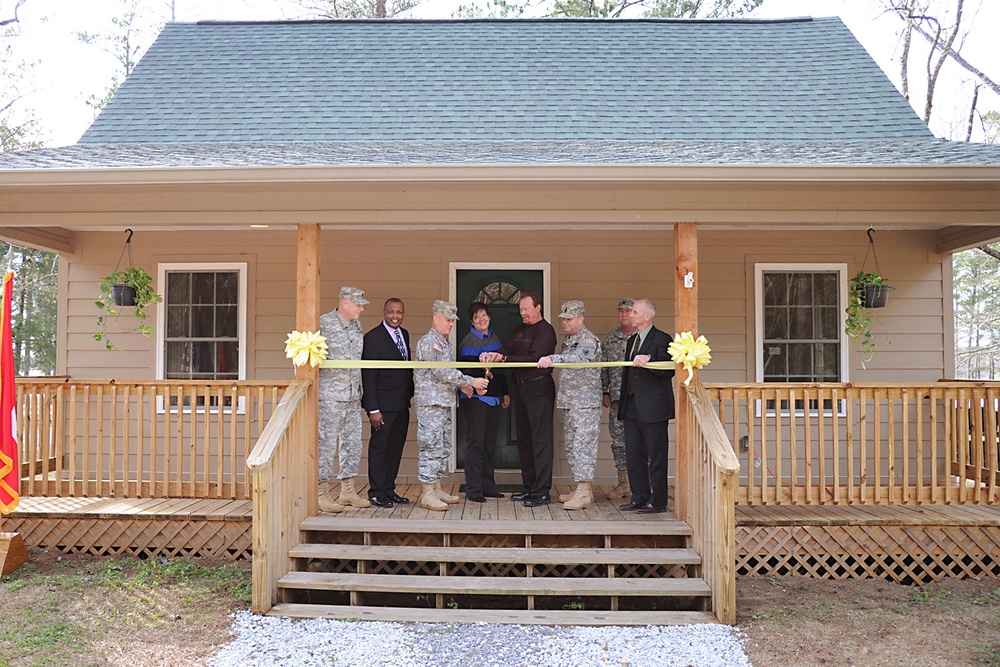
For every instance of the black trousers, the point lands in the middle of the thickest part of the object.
(480, 442)
(646, 448)
(385, 450)
(534, 403)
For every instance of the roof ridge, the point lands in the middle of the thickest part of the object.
(558, 19)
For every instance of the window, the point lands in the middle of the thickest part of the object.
(800, 329)
(202, 328)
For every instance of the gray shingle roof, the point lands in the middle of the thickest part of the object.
(490, 80)
(911, 153)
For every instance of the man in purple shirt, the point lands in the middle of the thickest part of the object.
(534, 398)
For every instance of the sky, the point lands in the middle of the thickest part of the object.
(69, 72)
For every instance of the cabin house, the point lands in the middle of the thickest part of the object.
(730, 170)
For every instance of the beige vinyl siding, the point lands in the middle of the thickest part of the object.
(598, 267)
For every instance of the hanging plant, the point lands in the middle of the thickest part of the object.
(131, 287)
(866, 290)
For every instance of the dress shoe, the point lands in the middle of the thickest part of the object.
(537, 501)
(398, 499)
(523, 495)
(650, 508)
(475, 498)
(493, 494)
(379, 500)
(631, 506)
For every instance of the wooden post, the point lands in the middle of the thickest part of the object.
(307, 319)
(685, 319)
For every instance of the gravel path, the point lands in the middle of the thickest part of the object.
(265, 641)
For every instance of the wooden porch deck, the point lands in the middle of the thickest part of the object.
(904, 543)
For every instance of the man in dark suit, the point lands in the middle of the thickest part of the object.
(646, 407)
(386, 398)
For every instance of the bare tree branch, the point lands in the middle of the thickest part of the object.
(9, 21)
(972, 113)
(991, 251)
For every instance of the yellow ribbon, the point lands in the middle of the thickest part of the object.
(359, 363)
(690, 352)
(306, 347)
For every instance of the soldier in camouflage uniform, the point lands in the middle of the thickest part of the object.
(579, 398)
(611, 385)
(340, 401)
(434, 397)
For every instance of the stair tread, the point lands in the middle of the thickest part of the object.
(521, 616)
(398, 583)
(405, 526)
(541, 555)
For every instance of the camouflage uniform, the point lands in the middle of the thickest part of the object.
(434, 397)
(579, 397)
(615, 344)
(340, 398)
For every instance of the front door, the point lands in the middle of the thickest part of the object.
(500, 289)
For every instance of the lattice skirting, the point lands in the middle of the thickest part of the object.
(904, 554)
(142, 537)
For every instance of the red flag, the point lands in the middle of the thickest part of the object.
(10, 470)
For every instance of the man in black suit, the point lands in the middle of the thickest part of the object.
(646, 407)
(386, 398)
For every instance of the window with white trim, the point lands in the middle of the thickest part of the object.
(800, 323)
(202, 323)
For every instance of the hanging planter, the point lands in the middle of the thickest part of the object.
(131, 287)
(867, 290)
(123, 295)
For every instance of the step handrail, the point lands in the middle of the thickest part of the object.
(712, 501)
(279, 465)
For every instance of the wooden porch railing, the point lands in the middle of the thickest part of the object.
(712, 512)
(281, 484)
(149, 439)
(872, 443)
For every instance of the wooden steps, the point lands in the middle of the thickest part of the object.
(519, 616)
(594, 572)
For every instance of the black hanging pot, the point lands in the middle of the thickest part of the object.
(123, 295)
(876, 296)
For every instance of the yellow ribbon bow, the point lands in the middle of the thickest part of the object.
(305, 347)
(691, 352)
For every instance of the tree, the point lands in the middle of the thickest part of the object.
(18, 125)
(977, 319)
(944, 25)
(609, 8)
(357, 9)
(130, 35)
(33, 315)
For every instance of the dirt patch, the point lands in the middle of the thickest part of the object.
(85, 612)
(800, 621)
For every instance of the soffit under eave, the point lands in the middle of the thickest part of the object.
(958, 238)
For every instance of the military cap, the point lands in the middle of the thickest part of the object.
(626, 303)
(571, 309)
(445, 308)
(353, 294)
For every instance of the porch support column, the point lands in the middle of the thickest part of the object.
(307, 319)
(686, 319)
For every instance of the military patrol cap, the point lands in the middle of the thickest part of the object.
(445, 308)
(353, 294)
(571, 309)
(626, 303)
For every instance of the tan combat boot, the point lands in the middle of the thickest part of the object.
(348, 496)
(563, 497)
(326, 502)
(446, 497)
(622, 490)
(584, 497)
(429, 499)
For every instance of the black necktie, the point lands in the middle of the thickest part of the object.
(628, 383)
